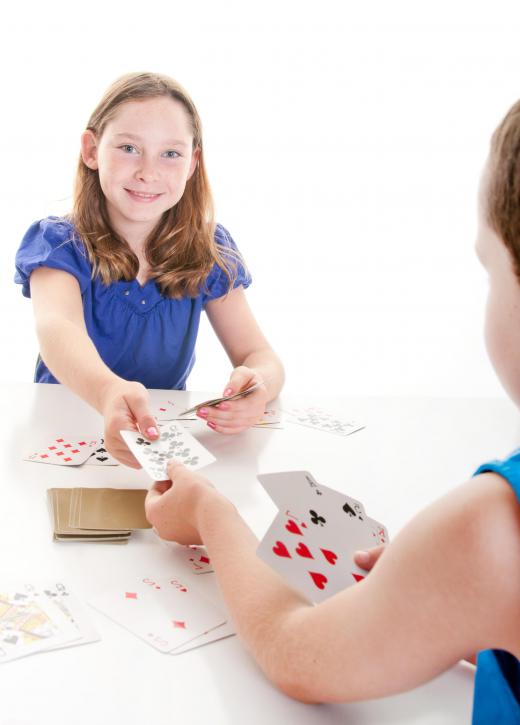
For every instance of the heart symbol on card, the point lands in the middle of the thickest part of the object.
(330, 556)
(281, 550)
(358, 577)
(303, 550)
(319, 579)
(293, 528)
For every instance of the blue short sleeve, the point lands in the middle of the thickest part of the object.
(217, 283)
(51, 243)
(508, 468)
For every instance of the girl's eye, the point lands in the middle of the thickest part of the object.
(171, 154)
(128, 148)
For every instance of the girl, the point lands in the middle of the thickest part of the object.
(118, 286)
(423, 607)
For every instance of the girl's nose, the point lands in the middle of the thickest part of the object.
(146, 170)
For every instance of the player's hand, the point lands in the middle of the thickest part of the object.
(126, 407)
(171, 506)
(234, 416)
(367, 559)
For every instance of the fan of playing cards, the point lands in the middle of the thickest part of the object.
(313, 538)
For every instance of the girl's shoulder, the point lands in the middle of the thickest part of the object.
(52, 242)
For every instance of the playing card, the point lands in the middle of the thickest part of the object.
(165, 613)
(312, 540)
(221, 632)
(63, 451)
(111, 509)
(196, 558)
(173, 442)
(101, 457)
(216, 401)
(30, 623)
(60, 500)
(75, 613)
(320, 419)
(299, 488)
(271, 419)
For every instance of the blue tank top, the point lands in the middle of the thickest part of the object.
(497, 684)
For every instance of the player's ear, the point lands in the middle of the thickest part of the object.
(194, 161)
(89, 149)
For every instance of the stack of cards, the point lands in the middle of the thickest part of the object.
(96, 514)
(313, 538)
(60, 450)
(320, 419)
(36, 618)
(216, 401)
(170, 614)
(173, 442)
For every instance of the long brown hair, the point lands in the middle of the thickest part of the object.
(503, 183)
(181, 250)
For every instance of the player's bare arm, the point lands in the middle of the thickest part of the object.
(424, 606)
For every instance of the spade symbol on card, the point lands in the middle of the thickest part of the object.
(318, 520)
(142, 442)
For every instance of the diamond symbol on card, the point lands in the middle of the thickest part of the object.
(130, 595)
(179, 625)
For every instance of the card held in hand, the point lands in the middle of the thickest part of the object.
(312, 541)
(173, 442)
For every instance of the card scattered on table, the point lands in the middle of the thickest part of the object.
(173, 442)
(167, 613)
(38, 618)
(60, 450)
(96, 514)
(312, 540)
(322, 420)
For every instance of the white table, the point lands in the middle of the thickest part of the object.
(411, 451)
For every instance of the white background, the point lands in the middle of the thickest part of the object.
(344, 143)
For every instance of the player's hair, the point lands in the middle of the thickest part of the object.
(503, 183)
(181, 250)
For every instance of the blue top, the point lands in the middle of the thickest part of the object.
(140, 334)
(497, 684)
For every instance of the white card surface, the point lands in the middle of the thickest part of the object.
(174, 442)
(165, 613)
(101, 457)
(31, 623)
(320, 419)
(312, 540)
(62, 450)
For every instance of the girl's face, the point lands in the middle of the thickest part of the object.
(144, 159)
(502, 326)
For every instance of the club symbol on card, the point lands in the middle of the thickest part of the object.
(293, 528)
(319, 579)
(142, 442)
(352, 512)
(316, 519)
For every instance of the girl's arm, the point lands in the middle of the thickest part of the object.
(253, 360)
(70, 354)
(449, 585)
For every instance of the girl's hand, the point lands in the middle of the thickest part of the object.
(237, 415)
(171, 506)
(126, 408)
